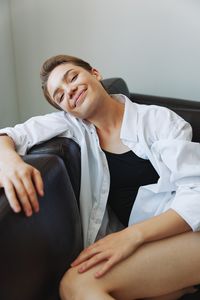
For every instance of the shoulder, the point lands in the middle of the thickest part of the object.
(150, 112)
(163, 123)
(156, 112)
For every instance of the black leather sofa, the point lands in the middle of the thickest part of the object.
(35, 252)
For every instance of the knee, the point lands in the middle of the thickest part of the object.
(74, 285)
(68, 285)
(78, 286)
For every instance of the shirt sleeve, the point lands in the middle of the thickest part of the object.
(181, 157)
(36, 130)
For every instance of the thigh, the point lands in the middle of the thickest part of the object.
(159, 268)
(155, 269)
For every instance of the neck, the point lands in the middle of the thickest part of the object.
(109, 116)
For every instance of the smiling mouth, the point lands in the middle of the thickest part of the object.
(79, 97)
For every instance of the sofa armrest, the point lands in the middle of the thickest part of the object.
(35, 252)
(69, 151)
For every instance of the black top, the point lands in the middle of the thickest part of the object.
(127, 173)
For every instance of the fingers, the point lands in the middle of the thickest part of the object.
(106, 267)
(85, 255)
(109, 261)
(93, 255)
(11, 196)
(29, 194)
(92, 262)
(37, 179)
(21, 188)
(22, 196)
(106, 253)
(26, 190)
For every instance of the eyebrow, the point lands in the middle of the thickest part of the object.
(64, 76)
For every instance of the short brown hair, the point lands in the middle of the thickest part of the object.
(51, 64)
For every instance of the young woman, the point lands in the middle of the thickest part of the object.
(140, 187)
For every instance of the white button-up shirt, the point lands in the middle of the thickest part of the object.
(153, 133)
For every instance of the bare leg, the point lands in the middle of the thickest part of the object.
(96, 295)
(156, 269)
(71, 291)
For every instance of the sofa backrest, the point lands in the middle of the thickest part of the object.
(188, 110)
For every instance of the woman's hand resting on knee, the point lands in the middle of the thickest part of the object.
(117, 246)
(112, 249)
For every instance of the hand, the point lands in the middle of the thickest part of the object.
(21, 183)
(112, 249)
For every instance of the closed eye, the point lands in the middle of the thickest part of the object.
(74, 77)
(61, 98)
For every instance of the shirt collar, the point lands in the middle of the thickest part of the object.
(130, 119)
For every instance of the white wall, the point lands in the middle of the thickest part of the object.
(8, 94)
(153, 44)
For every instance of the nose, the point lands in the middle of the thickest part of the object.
(71, 89)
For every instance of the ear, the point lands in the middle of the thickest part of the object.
(97, 74)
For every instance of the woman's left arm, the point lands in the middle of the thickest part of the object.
(117, 246)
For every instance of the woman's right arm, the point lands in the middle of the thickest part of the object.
(21, 181)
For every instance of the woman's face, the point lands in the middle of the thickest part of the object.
(75, 89)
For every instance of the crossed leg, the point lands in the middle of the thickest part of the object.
(158, 270)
